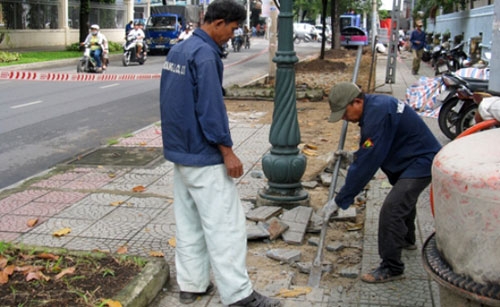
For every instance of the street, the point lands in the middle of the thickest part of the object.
(44, 123)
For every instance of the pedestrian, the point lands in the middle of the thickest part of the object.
(210, 222)
(417, 40)
(396, 140)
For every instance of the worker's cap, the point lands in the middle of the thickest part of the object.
(94, 27)
(341, 94)
(419, 23)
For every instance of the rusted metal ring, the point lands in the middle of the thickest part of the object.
(441, 272)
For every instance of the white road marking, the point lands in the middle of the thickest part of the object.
(111, 85)
(26, 104)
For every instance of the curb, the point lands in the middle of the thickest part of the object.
(144, 288)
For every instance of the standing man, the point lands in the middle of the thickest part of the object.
(417, 40)
(210, 222)
(396, 140)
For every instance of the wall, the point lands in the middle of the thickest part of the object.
(470, 23)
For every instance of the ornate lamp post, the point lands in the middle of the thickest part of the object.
(284, 165)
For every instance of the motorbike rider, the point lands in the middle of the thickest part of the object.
(188, 31)
(97, 42)
(137, 35)
(237, 35)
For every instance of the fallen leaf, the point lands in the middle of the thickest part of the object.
(156, 254)
(32, 222)
(111, 303)
(62, 232)
(117, 203)
(47, 256)
(66, 271)
(298, 291)
(3, 262)
(38, 275)
(104, 251)
(111, 175)
(354, 227)
(311, 146)
(4, 278)
(9, 269)
(143, 143)
(139, 188)
(172, 242)
(122, 250)
(309, 152)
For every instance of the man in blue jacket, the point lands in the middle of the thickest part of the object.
(417, 40)
(210, 222)
(396, 140)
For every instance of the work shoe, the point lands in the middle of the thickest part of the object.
(190, 297)
(410, 247)
(256, 300)
(381, 275)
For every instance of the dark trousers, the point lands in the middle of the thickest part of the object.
(396, 226)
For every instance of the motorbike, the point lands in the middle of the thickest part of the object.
(457, 104)
(130, 53)
(301, 37)
(87, 63)
(224, 50)
(237, 43)
(457, 57)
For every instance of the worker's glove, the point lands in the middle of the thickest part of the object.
(329, 210)
(346, 158)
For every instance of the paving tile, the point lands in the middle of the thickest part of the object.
(138, 179)
(127, 214)
(37, 239)
(144, 247)
(85, 185)
(9, 205)
(149, 202)
(22, 197)
(62, 197)
(49, 183)
(104, 199)
(16, 223)
(112, 229)
(9, 236)
(41, 208)
(54, 224)
(85, 211)
(91, 244)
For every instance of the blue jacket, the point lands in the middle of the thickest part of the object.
(417, 36)
(393, 138)
(193, 115)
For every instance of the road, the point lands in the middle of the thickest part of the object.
(44, 123)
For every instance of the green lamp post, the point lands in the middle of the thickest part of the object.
(285, 164)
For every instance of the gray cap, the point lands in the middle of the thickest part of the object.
(341, 94)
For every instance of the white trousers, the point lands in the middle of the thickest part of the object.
(210, 231)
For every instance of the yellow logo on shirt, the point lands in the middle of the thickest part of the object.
(368, 143)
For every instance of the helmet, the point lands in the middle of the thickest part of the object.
(94, 27)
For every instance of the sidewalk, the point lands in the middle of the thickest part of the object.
(80, 198)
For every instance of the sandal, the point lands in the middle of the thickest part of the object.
(190, 297)
(257, 300)
(381, 275)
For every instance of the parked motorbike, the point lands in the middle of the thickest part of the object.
(456, 103)
(130, 53)
(457, 57)
(237, 43)
(427, 54)
(87, 63)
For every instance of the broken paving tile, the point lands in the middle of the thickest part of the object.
(275, 227)
(256, 231)
(315, 223)
(305, 267)
(352, 272)
(263, 213)
(298, 219)
(335, 247)
(314, 241)
(284, 255)
(283, 281)
(247, 206)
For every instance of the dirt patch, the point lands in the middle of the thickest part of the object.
(45, 278)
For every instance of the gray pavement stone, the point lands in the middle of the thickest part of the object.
(284, 255)
(298, 219)
(263, 213)
(113, 229)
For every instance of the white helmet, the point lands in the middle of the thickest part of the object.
(94, 27)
